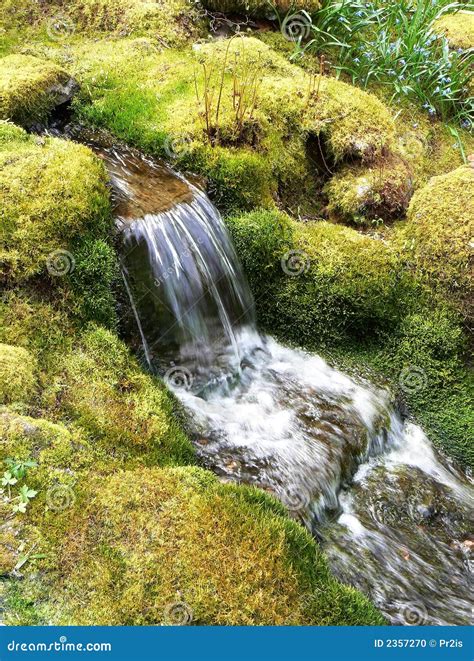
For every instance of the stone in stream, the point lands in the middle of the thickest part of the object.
(409, 526)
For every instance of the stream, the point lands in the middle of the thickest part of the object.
(393, 516)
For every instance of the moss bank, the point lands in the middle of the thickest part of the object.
(175, 546)
(327, 282)
(253, 152)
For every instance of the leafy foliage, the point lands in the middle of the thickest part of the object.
(397, 44)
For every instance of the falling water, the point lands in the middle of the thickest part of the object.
(393, 516)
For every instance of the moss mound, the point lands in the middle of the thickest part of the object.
(171, 22)
(55, 220)
(174, 546)
(30, 88)
(457, 28)
(17, 374)
(437, 236)
(100, 387)
(326, 281)
(361, 194)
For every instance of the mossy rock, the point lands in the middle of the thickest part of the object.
(261, 8)
(458, 29)
(319, 283)
(251, 158)
(56, 221)
(437, 236)
(173, 546)
(30, 88)
(365, 194)
(17, 374)
(170, 22)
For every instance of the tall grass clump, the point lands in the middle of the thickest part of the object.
(395, 43)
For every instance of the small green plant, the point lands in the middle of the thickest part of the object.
(18, 495)
(246, 74)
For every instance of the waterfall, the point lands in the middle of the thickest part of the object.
(196, 287)
(392, 515)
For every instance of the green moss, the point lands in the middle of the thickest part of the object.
(35, 325)
(17, 374)
(30, 88)
(54, 219)
(149, 540)
(430, 345)
(362, 194)
(260, 8)
(458, 29)
(437, 236)
(344, 284)
(171, 22)
(353, 298)
(100, 387)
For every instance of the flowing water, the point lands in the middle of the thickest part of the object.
(393, 517)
